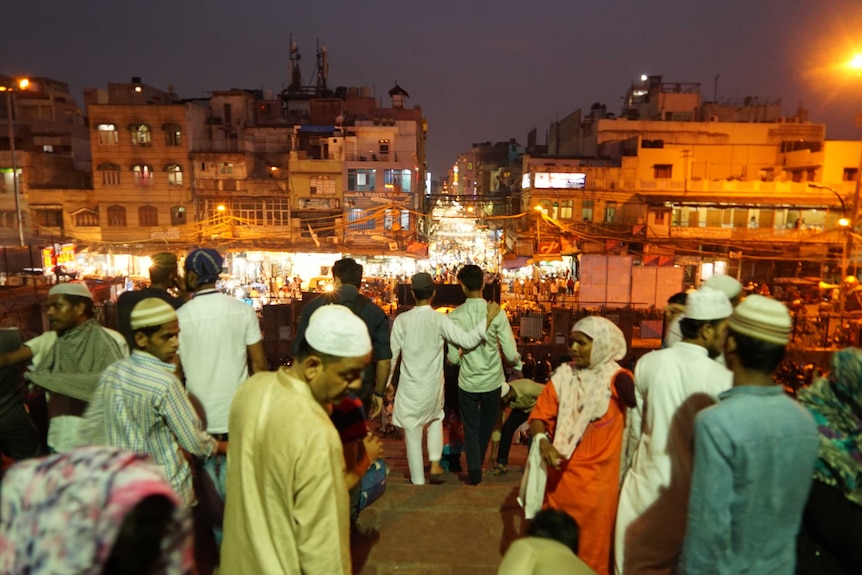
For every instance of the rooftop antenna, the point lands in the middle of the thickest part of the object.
(322, 68)
(295, 83)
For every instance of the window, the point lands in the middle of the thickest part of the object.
(587, 210)
(173, 135)
(384, 149)
(141, 135)
(48, 148)
(107, 134)
(277, 212)
(405, 219)
(225, 168)
(175, 175)
(567, 208)
(178, 216)
(247, 212)
(546, 206)
(610, 211)
(116, 216)
(397, 180)
(358, 219)
(48, 217)
(143, 174)
(322, 185)
(148, 216)
(662, 171)
(110, 174)
(360, 180)
(87, 219)
(850, 174)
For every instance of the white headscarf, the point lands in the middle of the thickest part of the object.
(585, 394)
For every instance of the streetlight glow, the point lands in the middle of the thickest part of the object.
(843, 222)
(855, 62)
(23, 83)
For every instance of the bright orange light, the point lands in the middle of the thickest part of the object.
(23, 83)
(273, 169)
(220, 208)
(843, 222)
(855, 63)
(539, 208)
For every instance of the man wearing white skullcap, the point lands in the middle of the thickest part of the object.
(141, 406)
(672, 385)
(754, 460)
(71, 366)
(287, 508)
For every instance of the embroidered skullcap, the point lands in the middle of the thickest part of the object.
(151, 312)
(421, 281)
(206, 263)
(71, 288)
(707, 304)
(730, 286)
(164, 260)
(504, 391)
(762, 318)
(335, 330)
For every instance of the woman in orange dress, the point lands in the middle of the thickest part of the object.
(579, 421)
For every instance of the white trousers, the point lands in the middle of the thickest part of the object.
(413, 441)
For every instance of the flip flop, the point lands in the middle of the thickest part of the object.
(497, 470)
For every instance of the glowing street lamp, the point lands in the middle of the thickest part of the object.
(20, 84)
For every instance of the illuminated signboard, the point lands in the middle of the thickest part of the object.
(525, 181)
(577, 181)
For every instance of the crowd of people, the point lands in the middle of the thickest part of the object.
(173, 431)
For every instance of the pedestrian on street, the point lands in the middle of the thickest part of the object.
(287, 507)
(754, 456)
(481, 375)
(520, 395)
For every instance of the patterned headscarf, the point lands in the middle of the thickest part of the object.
(206, 263)
(836, 404)
(62, 514)
(585, 394)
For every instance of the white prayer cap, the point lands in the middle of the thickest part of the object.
(71, 288)
(504, 391)
(707, 304)
(151, 312)
(762, 318)
(335, 330)
(730, 286)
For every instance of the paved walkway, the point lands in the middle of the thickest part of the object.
(445, 528)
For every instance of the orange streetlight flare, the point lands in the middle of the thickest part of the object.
(843, 222)
(855, 63)
(23, 83)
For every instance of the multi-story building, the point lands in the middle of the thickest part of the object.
(701, 182)
(142, 140)
(52, 158)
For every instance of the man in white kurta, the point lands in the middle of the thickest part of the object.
(419, 337)
(287, 508)
(672, 385)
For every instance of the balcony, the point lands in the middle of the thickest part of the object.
(377, 157)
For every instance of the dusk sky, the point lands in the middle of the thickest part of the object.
(480, 70)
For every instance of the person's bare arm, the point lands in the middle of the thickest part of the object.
(23, 353)
(258, 357)
(549, 453)
(381, 378)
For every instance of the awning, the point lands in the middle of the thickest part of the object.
(738, 200)
(515, 263)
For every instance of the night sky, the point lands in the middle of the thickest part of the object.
(480, 70)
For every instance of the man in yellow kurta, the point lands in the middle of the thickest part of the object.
(287, 509)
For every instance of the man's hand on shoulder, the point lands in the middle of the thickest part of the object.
(493, 311)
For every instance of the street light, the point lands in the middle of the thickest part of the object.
(846, 248)
(22, 84)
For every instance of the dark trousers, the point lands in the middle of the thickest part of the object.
(516, 419)
(479, 413)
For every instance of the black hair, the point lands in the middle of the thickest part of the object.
(348, 271)
(690, 328)
(79, 299)
(147, 331)
(472, 277)
(423, 293)
(678, 298)
(138, 548)
(565, 358)
(159, 275)
(756, 354)
(304, 349)
(557, 525)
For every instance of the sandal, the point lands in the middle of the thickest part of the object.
(496, 470)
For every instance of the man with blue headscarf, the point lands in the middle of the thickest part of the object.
(218, 334)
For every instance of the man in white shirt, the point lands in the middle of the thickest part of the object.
(419, 336)
(672, 385)
(481, 377)
(287, 507)
(218, 334)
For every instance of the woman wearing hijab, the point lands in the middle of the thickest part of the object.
(92, 511)
(832, 524)
(579, 420)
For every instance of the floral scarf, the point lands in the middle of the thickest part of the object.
(62, 514)
(584, 394)
(836, 404)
